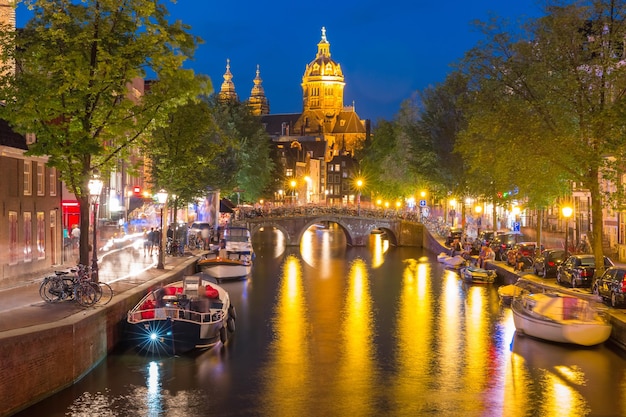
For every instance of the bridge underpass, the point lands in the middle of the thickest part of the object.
(357, 229)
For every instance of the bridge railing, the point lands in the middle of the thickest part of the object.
(318, 210)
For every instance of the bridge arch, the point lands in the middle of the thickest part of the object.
(356, 229)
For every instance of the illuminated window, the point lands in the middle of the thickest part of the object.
(28, 178)
(289, 172)
(13, 257)
(28, 236)
(53, 181)
(40, 179)
(41, 235)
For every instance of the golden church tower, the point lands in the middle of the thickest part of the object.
(228, 87)
(323, 82)
(258, 102)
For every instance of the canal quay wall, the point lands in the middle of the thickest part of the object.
(39, 361)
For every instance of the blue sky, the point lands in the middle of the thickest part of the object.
(387, 50)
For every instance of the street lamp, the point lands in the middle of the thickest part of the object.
(162, 199)
(293, 192)
(95, 188)
(359, 184)
(479, 210)
(567, 212)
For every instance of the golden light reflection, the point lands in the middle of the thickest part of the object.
(379, 247)
(414, 339)
(356, 373)
(316, 249)
(451, 355)
(289, 371)
(476, 340)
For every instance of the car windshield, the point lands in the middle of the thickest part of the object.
(587, 262)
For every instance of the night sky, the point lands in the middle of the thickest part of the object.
(387, 49)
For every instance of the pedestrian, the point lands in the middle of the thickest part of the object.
(75, 236)
(146, 241)
(156, 240)
(205, 235)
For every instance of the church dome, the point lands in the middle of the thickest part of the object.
(323, 64)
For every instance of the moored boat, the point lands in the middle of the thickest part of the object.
(194, 313)
(454, 262)
(232, 266)
(560, 318)
(508, 292)
(477, 275)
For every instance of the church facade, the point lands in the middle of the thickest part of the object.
(323, 135)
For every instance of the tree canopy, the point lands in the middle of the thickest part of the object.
(74, 85)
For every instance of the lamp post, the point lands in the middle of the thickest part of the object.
(293, 192)
(567, 213)
(95, 188)
(479, 210)
(359, 184)
(162, 199)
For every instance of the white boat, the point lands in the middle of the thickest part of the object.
(191, 314)
(238, 240)
(232, 266)
(560, 318)
(455, 261)
(477, 275)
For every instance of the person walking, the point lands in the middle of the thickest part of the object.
(156, 240)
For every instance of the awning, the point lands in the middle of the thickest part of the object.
(226, 206)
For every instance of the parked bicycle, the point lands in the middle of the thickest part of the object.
(77, 285)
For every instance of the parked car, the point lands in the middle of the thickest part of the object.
(578, 270)
(527, 250)
(505, 241)
(547, 263)
(612, 286)
(455, 233)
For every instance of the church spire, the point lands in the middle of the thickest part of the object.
(228, 87)
(258, 102)
(323, 47)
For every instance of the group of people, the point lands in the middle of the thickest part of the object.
(151, 238)
(486, 253)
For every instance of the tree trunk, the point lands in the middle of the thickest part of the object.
(597, 220)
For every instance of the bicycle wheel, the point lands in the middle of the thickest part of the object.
(97, 289)
(51, 289)
(106, 293)
(85, 294)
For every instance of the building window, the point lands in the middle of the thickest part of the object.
(344, 174)
(41, 235)
(53, 181)
(40, 179)
(289, 172)
(28, 236)
(13, 237)
(28, 179)
(331, 167)
(337, 178)
(30, 138)
(337, 167)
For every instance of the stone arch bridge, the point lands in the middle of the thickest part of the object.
(357, 229)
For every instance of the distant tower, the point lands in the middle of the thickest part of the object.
(323, 82)
(258, 102)
(228, 87)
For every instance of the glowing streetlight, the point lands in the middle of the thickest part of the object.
(567, 212)
(162, 199)
(359, 184)
(95, 189)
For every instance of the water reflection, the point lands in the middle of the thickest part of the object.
(328, 330)
(289, 370)
(355, 380)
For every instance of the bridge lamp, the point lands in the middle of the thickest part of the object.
(567, 212)
(359, 184)
(293, 184)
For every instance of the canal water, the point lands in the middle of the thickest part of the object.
(328, 330)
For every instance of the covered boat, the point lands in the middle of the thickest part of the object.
(508, 292)
(477, 275)
(455, 261)
(231, 266)
(560, 318)
(191, 314)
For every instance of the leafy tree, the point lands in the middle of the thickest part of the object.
(76, 63)
(563, 95)
(251, 163)
(190, 155)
